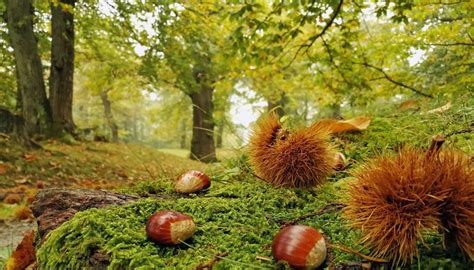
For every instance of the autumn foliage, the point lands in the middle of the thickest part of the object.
(397, 197)
(303, 158)
(24, 254)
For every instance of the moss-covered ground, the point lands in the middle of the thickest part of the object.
(239, 215)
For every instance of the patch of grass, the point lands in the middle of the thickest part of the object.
(91, 164)
(222, 153)
(7, 211)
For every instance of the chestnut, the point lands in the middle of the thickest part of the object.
(192, 181)
(169, 227)
(303, 247)
(340, 163)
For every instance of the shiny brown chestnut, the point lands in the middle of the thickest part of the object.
(340, 163)
(169, 227)
(303, 247)
(192, 181)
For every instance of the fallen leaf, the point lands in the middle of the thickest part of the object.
(409, 104)
(30, 157)
(24, 213)
(339, 126)
(24, 253)
(122, 174)
(441, 109)
(3, 168)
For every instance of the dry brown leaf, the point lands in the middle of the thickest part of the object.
(339, 126)
(122, 174)
(30, 157)
(3, 168)
(24, 253)
(441, 109)
(409, 104)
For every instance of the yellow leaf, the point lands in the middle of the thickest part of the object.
(339, 126)
(441, 109)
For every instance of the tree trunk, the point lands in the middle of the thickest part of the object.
(62, 66)
(108, 115)
(202, 142)
(336, 111)
(182, 142)
(220, 133)
(34, 103)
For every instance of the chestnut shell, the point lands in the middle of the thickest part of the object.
(192, 181)
(169, 227)
(303, 247)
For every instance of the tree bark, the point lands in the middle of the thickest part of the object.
(53, 207)
(34, 103)
(108, 115)
(62, 66)
(202, 142)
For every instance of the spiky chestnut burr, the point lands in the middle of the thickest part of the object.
(169, 227)
(303, 247)
(192, 181)
(392, 201)
(455, 191)
(290, 159)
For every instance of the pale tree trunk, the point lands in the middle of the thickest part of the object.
(305, 110)
(278, 106)
(34, 103)
(182, 142)
(336, 111)
(62, 67)
(109, 116)
(220, 133)
(202, 142)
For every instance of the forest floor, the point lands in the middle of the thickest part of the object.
(95, 165)
(239, 214)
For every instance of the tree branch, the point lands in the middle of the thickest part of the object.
(390, 79)
(331, 58)
(450, 44)
(314, 38)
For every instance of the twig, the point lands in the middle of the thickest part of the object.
(254, 174)
(263, 258)
(355, 252)
(212, 262)
(467, 130)
(330, 254)
(450, 44)
(4, 135)
(314, 38)
(328, 208)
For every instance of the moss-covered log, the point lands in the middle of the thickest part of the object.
(52, 207)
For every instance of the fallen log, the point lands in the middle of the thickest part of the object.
(53, 207)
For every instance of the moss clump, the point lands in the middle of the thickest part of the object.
(390, 132)
(240, 216)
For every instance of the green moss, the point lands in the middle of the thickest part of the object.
(391, 132)
(240, 214)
